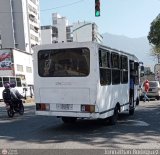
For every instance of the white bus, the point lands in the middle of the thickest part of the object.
(84, 80)
(10, 79)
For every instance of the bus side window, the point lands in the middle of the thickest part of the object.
(136, 64)
(115, 61)
(104, 65)
(124, 69)
(1, 84)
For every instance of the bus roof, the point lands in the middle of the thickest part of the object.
(77, 44)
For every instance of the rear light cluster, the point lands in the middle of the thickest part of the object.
(42, 107)
(88, 108)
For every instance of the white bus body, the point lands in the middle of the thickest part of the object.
(83, 80)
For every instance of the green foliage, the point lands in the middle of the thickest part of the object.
(154, 36)
(155, 50)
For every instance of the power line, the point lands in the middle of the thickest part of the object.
(62, 6)
(66, 5)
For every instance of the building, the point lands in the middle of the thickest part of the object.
(14, 62)
(147, 70)
(47, 34)
(20, 23)
(61, 31)
(86, 31)
(19, 32)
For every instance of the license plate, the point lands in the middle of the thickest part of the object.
(64, 106)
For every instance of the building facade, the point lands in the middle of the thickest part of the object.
(19, 32)
(20, 24)
(14, 62)
(61, 31)
(86, 31)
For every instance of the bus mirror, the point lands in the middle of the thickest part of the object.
(132, 65)
(142, 71)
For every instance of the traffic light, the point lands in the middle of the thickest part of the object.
(97, 8)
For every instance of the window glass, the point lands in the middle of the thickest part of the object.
(105, 76)
(12, 80)
(115, 60)
(124, 76)
(5, 80)
(28, 69)
(1, 83)
(124, 69)
(153, 84)
(104, 64)
(18, 82)
(20, 68)
(115, 76)
(104, 58)
(64, 62)
(124, 62)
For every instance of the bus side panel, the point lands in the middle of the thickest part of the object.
(109, 96)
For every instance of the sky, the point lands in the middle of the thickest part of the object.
(131, 18)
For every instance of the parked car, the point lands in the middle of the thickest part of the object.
(154, 90)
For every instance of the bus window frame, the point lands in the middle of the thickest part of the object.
(104, 71)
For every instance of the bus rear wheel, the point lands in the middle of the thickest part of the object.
(137, 101)
(114, 117)
(69, 120)
(131, 111)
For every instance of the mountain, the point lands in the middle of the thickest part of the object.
(138, 46)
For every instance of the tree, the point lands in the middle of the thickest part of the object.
(154, 36)
(155, 50)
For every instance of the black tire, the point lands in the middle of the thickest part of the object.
(69, 120)
(21, 110)
(10, 113)
(131, 111)
(137, 101)
(141, 98)
(114, 117)
(158, 97)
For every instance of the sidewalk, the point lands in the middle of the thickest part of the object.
(30, 100)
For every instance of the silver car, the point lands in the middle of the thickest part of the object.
(154, 90)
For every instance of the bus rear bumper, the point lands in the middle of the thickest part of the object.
(69, 114)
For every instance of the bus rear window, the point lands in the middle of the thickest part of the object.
(64, 62)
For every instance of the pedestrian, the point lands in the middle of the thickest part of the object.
(146, 89)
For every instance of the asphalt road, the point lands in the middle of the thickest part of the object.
(140, 131)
